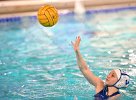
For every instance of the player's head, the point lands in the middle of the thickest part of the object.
(117, 78)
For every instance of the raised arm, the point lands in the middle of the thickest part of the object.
(94, 80)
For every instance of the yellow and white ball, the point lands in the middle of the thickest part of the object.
(48, 15)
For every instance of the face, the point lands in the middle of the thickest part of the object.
(111, 78)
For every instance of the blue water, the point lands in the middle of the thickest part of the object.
(38, 63)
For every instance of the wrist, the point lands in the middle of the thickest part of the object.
(77, 51)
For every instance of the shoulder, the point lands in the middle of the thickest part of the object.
(117, 97)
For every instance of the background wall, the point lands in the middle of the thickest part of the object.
(9, 6)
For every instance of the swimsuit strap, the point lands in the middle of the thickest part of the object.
(102, 94)
(115, 94)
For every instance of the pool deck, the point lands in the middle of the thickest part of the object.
(21, 8)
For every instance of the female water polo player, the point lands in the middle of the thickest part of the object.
(108, 90)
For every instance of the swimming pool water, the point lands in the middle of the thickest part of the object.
(39, 63)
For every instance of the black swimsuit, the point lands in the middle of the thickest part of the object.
(102, 94)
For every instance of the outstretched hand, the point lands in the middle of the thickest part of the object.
(76, 43)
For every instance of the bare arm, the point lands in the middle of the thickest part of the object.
(94, 80)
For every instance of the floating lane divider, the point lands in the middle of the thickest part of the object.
(109, 10)
(15, 19)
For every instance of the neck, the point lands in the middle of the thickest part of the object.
(112, 90)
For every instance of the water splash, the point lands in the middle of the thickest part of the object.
(75, 97)
(79, 10)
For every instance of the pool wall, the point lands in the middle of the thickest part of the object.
(8, 7)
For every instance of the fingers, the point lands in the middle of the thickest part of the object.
(77, 41)
(78, 38)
